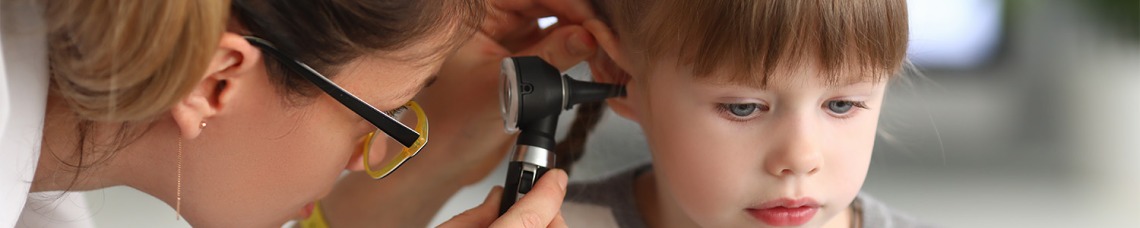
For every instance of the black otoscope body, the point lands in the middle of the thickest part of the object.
(533, 95)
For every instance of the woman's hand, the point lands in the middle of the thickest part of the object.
(463, 105)
(539, 208)
(467, 139)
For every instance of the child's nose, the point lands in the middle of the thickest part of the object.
(798, 152)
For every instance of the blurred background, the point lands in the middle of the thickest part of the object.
(1022, 113)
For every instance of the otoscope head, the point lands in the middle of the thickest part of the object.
(533, 89)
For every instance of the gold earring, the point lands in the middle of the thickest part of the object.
(178, 195)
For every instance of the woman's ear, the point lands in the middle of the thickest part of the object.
(612, 66)
(229, 68)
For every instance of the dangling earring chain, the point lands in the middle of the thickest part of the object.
(178, 196)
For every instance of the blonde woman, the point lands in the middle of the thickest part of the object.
(240, 114)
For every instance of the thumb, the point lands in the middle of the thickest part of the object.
(540, 206)
(564, 47)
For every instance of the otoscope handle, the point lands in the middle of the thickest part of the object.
(521, 177)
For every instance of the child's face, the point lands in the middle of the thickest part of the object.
(729, 155)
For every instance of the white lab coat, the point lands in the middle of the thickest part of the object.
(23, 98)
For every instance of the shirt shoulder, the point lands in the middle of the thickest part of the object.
(875, 213)
(607, 202)
(588, 215)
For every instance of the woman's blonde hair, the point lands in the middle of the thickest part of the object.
(129, 60)
(746, 41)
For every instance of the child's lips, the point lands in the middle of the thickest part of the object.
(785, 211)
(788, 202)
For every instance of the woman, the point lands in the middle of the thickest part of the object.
(238, 114)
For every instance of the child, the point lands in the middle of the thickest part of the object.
(758, 113)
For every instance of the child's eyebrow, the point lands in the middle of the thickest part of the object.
(850, 83)
(765, 87)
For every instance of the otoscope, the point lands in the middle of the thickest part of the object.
(532, 96)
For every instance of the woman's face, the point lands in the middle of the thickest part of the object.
(733, 155)
(261, 159)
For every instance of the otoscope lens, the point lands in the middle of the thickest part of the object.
(508, 95)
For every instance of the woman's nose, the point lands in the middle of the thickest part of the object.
(797, 153)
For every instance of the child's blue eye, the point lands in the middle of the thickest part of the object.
(843, 107)
(741, 111)
(840, 107)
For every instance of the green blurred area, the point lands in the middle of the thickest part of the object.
(1120, 14)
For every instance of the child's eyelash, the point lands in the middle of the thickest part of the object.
(727, 110)
(851, 112)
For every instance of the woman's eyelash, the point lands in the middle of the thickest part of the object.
(396, 111)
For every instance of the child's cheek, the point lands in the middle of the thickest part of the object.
(703, 168)
(847, 161)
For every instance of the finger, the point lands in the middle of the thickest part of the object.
(538, 207)
(480, 50)
(558, 222)
(565, 47)
(555, 26)
(573, 10)
(490, 206)
(522, 41)
(480, 216)
(607, 41)
(508, 20)
(503, 25)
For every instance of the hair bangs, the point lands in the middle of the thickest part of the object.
(750, 42)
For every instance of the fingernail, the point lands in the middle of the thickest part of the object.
(580, 43)
(492, 193)
(562, 181)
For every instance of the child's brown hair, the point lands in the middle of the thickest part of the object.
(745, 41)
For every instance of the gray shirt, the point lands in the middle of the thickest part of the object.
(610, 203)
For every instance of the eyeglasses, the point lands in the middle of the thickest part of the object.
(411, 139)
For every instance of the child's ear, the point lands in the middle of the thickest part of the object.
(611, 66)
(233, 60)
(611, 46)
